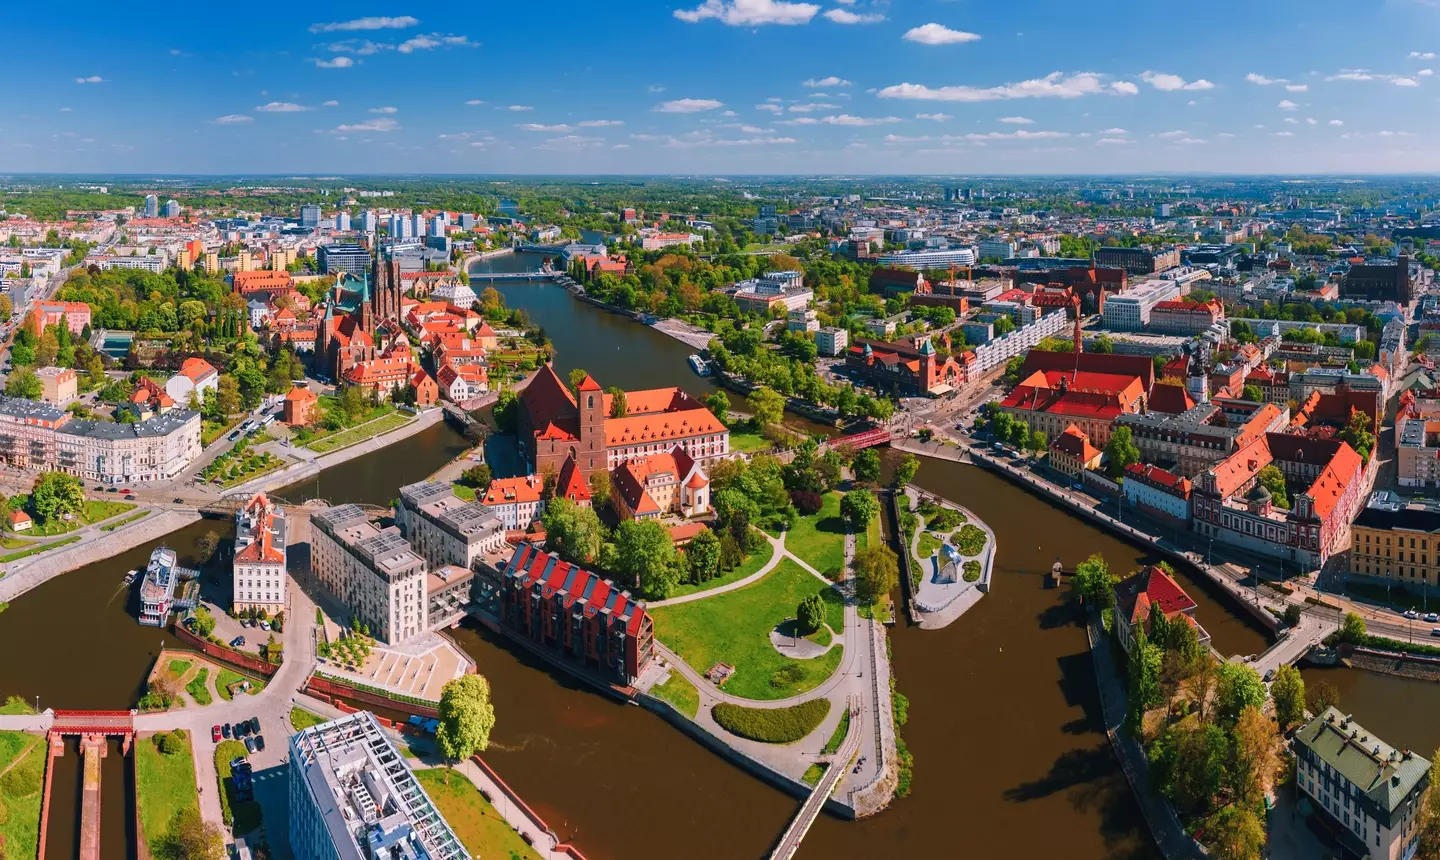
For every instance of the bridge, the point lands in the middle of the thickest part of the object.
(864, 439)
(93, 727)
(1296, 643)
(810, 810)
(489, 277)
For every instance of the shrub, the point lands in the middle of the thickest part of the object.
(170, 743)
(787, 676)
(971, 571)
(971, 540)
(772, 725)
(946, 519)
(806, 502)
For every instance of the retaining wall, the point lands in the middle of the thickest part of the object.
(1417, 666)
(560, 847)
(236, 659)
(332, 687)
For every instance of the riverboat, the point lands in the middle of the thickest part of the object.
(698, 365)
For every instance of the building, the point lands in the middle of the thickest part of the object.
(759, 295)
(894, 282)
(1158, 492)
(59, 385)
(576, 615)
(1138, 599)
(1130, 310)
(258, 573)
(39, 437)
(301, 407)
(73, 315)
(1023, 340)
(995, 249)
(353, 797)
(1178, 316)
(310, 215)
(516, 501)
(903, 369)
(939, 258)
(1071, 453)
(659, 485)
(172, 208)
(344, 257)
(1390, 280)
(445, 529)
(553, 425)
(1087, 390)
(196, 376)
(1138, 261)
(831, 341)
(373, 571)
(152, 206)
(805, 320)
(1202, 435)
(1323, 476)
(1368, 792)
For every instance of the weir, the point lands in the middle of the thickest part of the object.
(93, 727)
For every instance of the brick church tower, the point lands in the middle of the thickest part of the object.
(590, 403)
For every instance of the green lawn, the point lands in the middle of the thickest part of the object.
(734, 628)
(20, 792)
(480, 828)
(25, 553)
(750, 565)
(226, 677)
(16, 705)
(820, 538)
(302, 719)
(927, 546)
(814, 772)
(356, 435)
(199, 688)
(748, 441)
(95, 511)
(13, 543)
(110, 527)
(264, 465)
(680, 693)
(164, 785)
(212, 430)
(463, 492)
(870, 537)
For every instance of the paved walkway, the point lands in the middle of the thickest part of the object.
(778, 552)
(94, 545)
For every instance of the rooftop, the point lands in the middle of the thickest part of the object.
(1385, 775)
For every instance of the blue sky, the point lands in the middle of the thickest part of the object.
(723, 86)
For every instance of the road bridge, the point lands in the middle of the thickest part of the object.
(810, 810)
(488, 277)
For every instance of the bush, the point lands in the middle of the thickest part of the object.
(946, 519)
(170, 743)
(971, 571)
(772, 725)
(971, 540)
(806, 502)
(787, 676)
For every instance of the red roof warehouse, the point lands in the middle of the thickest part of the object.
(575, 613)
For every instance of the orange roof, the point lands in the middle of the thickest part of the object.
(196, 369)
(589, 384)
(299, 395)
(638, 429)
(1075, 443)
(511, 491)
(571, 484)
(697, 480)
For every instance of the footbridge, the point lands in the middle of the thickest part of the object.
(810, 810)
(93, 728)
(1296, 643)
(863, 439)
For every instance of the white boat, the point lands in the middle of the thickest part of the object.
(130, 577)
(698, 365)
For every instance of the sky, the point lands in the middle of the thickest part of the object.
(722, 87)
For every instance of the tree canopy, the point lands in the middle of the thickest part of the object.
(466, 717)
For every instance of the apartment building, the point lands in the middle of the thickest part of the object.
(1390, 542)
(516, 501)
(39, 437)
(353, 796)
(373, 571)
(258, 576)
(58, 385)
(445, 529)
(1201, 436)
(1178, 316)
(1138, 261)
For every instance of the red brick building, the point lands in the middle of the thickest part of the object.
(902, 369)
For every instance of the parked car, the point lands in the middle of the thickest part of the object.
(237, 642)
(1411, 614)
(225, 730)
(255, 725)
(215, 734)
(241, 728)
(264, 625)
(260, 743)
(1432, 617)
(129, 497)
(250, 744)
(1269, 676)
(1435, 631)
(177, 500)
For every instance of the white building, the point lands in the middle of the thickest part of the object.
(1130, 310)
(373, 571)
(445, 529)
(1001, 249)
(1020, 341)
(196, 376)
(453, 291)
(259, 580)
(942, 258)
(516, 500)
(831, 341)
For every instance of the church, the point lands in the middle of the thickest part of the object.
(361, 319)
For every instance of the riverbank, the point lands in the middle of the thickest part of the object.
(944, 592)
(29, 573)
(692, 336)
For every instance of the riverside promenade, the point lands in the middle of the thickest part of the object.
(27, 573)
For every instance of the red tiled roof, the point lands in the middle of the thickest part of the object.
(1170, 398)
(1151, 474)
(571, 484)
(1074, 443)
(588, 589)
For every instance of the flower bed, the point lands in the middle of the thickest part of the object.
(772, 725)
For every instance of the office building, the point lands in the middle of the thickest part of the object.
(775, 288)
(369, 221)
(258, 577)
(172, 209)
(1138, 261)
(998, 249)
(342, 221)
(1130, 310)
(1390, 543)
(1367, 792)
(831, 341)
(310, 215)
(417, 226)
(346, 257)
(940, 258)
(354, 797)
(1178, 316)
(445, 529)
(373, 571)
(152, 206)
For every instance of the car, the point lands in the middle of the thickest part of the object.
(1435, 631)
(237, 642)
(129, 497)
(1432, 617)
(255, 725)
(241, 728)
(225, 730)
(100, 489)
(260, 743)
(1411, 614)
(177, 500)
(215, 734)
(1077, 486)
(264, 625)
(250, 744)
(1269, 676)
(109, 489)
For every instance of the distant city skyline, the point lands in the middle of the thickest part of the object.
(725, 87)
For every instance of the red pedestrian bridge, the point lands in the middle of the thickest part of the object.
(864, 439)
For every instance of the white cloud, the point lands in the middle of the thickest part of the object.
(1286, 104)
(1336, 122)
(1290, 120)
(386, 109)
(1297, 88)
(1053, 85)
(900, 138)
(475, 102)
(1424, 73)
(1225, 134)
(1309, 120)
(621, 146)
(518, 108)
(844, 16)
(1422, 55)
(938, 34)
(1283, 133)
(337, 63)
(332, 103)
(232, 119)
(749, 13)
(773, 108)
(66, 110)
(535, 126)
(688, 106)
(936, 117)
(1114, 131)
(1405, 82)
(1262, 80)
(93, 79)
(372, 23)
(1113, 141)
(1171, 135)
(1354, 75)
(800, 120)
(599, 123)
(811, 108)
(847, 119)
(428, 41)
(1017, 120)
(362, 47)
(831, 81)
(383, 123)
(655, 88)
(1168, 83)
(281, 107)
(1191, 141)
(1019, 134)
(751, 129)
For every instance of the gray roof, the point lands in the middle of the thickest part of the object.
(17, 407)
(1383, 774)
(160, 425)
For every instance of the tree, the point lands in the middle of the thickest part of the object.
(718, 404)
(1003, 326)
(867, 466)
(188, 837)
(1120, 452)
(170, 743)
(702, 556)
(905, 470)
(1272, 479)
(1237, 687)
(1357, 434)
(1253, 761)
(1142, 688)
(1103, 345)
(466, 717)
(859, 507)
(1321, 695)
(645, 553)
(599, 487)
(766, 405)
(1352, 629)
(507, 404)
(207, 544)
(7, 307)
(1430, 813)
(1288, 691)
(227, 394)
(1292, 615)
(572, 531)
(56, 494)
(577, 376)
(204, 622)
(618, 405)
(1094, 582)
(1037, 441)
(1235, 833)
(877, 572)
(478, 477)
(24, 383)
(810, 614)
(1252, 393)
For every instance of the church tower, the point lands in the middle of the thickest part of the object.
(590, 401)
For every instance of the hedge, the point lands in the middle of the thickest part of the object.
(772, 725)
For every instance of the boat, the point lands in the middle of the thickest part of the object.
(130, 577)
(698, 365)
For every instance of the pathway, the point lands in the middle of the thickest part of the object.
(778, 552)
(810, 810)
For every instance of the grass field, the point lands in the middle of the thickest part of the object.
(225, 677)
(820, 538)
(747, 441)
(680, 693)
(734, 628)
(25, 553)
(302, 719)
(870, 537)
(95, 511)
(756, 560)
(164, 784)
(199, 687)
(480, 828)
(356, 435)
(20, 792)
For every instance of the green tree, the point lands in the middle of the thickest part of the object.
(1352, 629)
(645, 553)
(466, 717)
(867, 466)
(1094, 582)
(1357, 434)
(188, 837)
(1103, 345)
(600, 487)
(877, 572)
(227, 395)
(1237, 687)
(810, 614)
(718, 404)
(1272, 479)
(1003, 326)
(1120, 452)
(702, 556)
(507, 404)
(1037, 441)
(859, 507)
(24, 383)
(56, 494)
(577, 376)
(1253, 761)
(1252, 393)
(572, 531)
(1142, 689)
(618, 405)
(766, 405)
(1235, 832)
(1288, 691)
(905, 470)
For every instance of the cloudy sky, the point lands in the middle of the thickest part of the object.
(723, 86)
